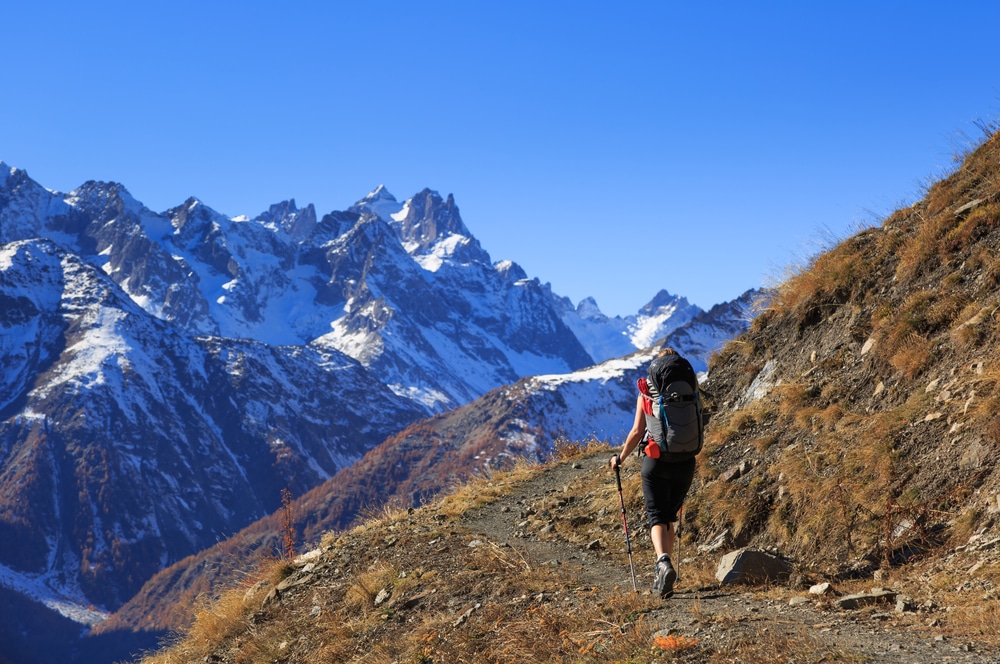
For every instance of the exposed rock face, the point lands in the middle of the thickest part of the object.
(403, 288)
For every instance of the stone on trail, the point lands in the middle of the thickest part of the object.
(751, 566)
(820, 588)
(860, 600)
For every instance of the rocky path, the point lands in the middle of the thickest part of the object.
(790, 624)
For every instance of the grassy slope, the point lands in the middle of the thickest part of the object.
(878, 434)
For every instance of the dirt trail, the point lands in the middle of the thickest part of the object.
(715, 616)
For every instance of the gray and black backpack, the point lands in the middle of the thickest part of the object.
(676, 422)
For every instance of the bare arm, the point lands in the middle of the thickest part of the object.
(634, 436)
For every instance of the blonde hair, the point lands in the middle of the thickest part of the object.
(667, 350)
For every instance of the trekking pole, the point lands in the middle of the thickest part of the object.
(628, 542)
(680, 522)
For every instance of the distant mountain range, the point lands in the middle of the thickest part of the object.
(166, 375)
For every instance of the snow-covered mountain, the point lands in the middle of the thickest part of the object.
(403, 288)
(127, 445)
(163, 376)
(605, 337)
(599, 401)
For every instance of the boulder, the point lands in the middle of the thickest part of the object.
(751, 566)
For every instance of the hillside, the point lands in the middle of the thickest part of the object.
(856, 434)
(529, 565)
(861, 409)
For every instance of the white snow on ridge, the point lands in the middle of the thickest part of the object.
(430, 397)
(442, 251)
(401, 213)
(647, 329)
(605, 338)
(381, 202)
(601, 373)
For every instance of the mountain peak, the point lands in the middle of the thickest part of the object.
(100, 188)
(378, 202)
(287, 217)
(510, 270)
(112, 197)
(426, 219)
(663, 299)
(588, 309)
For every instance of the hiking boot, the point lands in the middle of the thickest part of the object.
(664, 576)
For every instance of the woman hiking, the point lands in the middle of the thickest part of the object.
(669, 445)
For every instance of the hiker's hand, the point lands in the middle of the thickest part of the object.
(615, 461)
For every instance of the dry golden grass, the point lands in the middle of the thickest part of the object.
(913, 357)
(764, 644)
(833, 491)
(991, 278)
(564, 449)
(764, 443)
(484, 603)
(920, 254)
(217, 620)
(971, 229)
(487, 486)
(825, 281)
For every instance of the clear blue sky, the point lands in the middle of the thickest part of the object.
(580, 139)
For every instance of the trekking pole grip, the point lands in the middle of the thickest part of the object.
(618, 474)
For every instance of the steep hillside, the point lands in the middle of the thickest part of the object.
(859, 423)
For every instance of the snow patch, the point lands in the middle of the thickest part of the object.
(427, 396)
(42, 589)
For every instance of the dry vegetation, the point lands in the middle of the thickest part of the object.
(409, 586)
(873, 444)
(375, 598)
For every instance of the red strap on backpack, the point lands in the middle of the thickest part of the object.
(647, 399)
(652, 450)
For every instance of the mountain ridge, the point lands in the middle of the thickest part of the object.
(167, 374)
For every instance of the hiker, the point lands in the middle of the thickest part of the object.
(667, 471)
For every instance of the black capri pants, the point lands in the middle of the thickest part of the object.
(664, 487)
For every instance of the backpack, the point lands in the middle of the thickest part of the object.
(675, 421)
